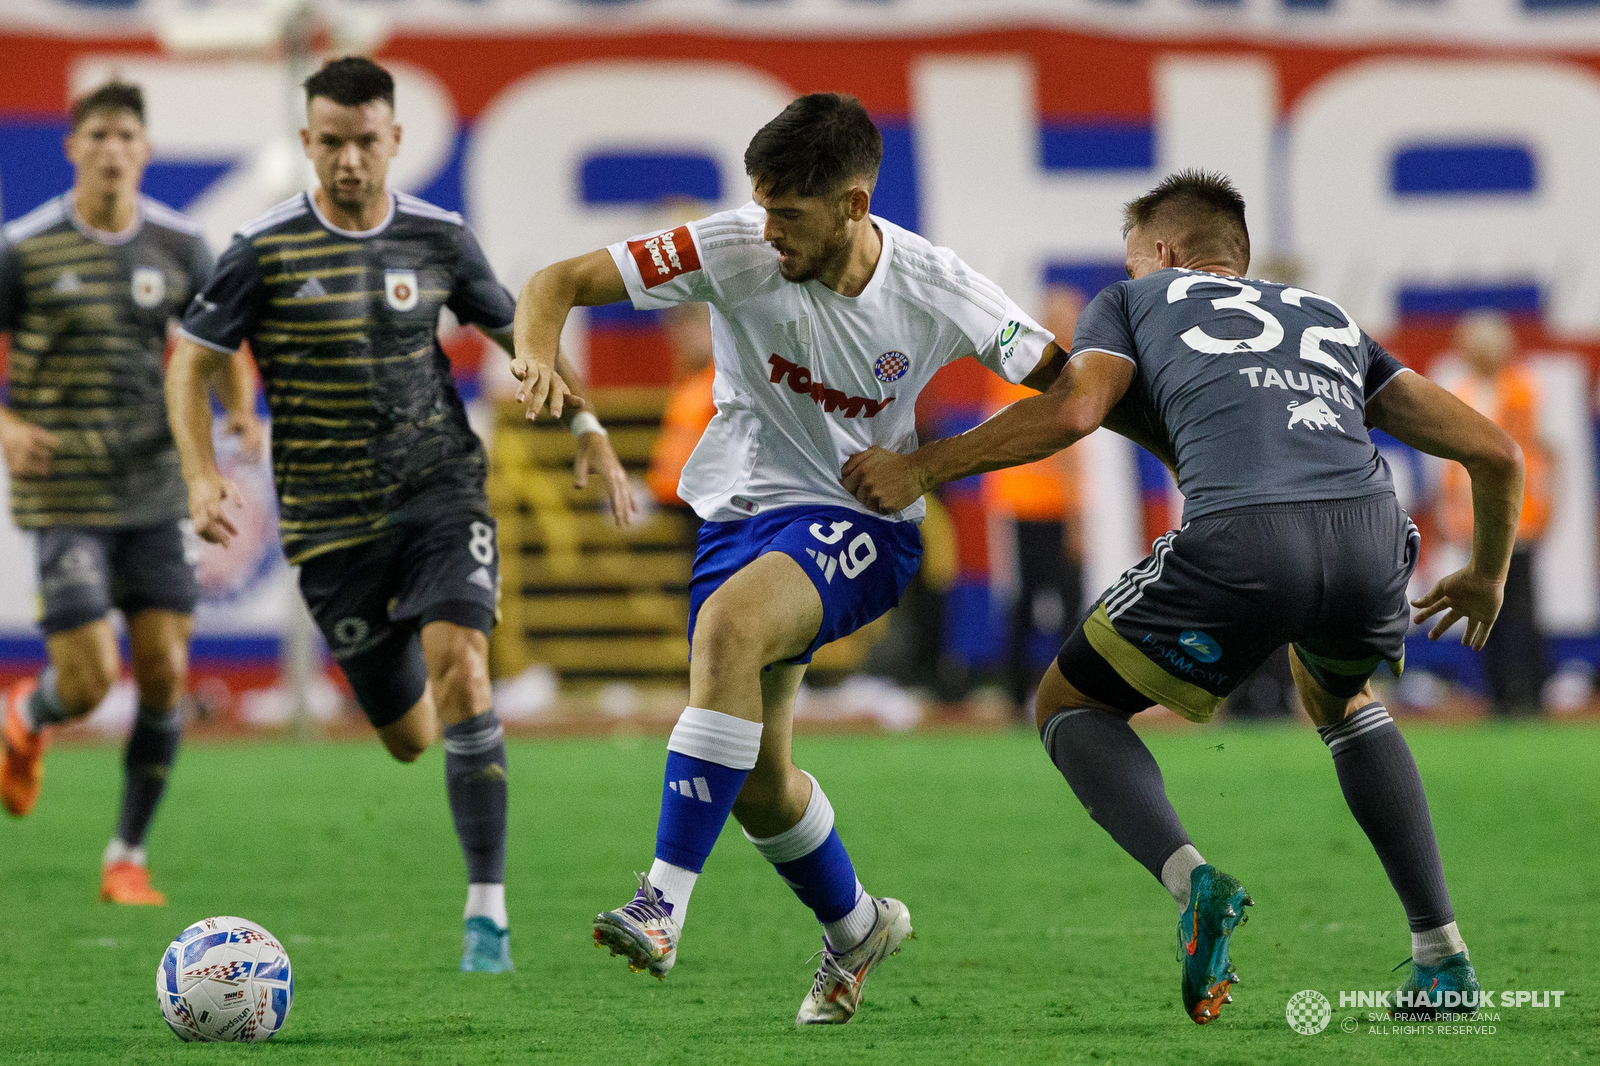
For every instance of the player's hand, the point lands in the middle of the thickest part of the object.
(1463, 594)
(251, 433)
(595, 453)
(541, 388)
(27, 447)
(883, 480)
(210, 499)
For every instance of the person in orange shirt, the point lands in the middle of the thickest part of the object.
(690, 406)
(1502, 389)
(1041, 502)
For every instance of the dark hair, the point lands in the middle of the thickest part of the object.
(112, 96)
(351, 81)
(816, 146)
(1199, 213)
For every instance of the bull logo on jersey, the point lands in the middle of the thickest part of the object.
(891, 367)
(1314, 414)
(400, 289)
(149, 287)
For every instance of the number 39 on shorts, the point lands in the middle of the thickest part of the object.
(481, 544)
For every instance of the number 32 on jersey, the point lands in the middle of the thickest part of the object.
(1248, 300)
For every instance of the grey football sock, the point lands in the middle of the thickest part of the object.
(1117, 780)
(475, 777)
(146, 762)
(1380, 783)
(44, 705)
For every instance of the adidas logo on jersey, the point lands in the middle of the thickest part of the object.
(68, 284)
(800, 383)
(481, 578)
(699, 791)
(312, 287)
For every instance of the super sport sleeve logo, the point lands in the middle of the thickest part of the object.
(665, 256)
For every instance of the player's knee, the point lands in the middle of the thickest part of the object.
(82, 681)
(723, 637)
(406, 746)
(161, 675)
(460, 685)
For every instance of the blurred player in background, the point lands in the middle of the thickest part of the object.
(380, 480)
(1258, 395)
(1040, 502)
(826, 323)
(89, 285)
(690, 403)
(1502, 389)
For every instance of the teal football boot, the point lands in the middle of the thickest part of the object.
(1425, 992)
(1216, 908)
(486, 947)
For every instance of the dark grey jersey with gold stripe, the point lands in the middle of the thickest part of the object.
(88, 314)
(368, 431)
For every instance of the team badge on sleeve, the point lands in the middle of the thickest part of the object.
(891, 367)
(664, 256)
(400, 289)
(149, 287)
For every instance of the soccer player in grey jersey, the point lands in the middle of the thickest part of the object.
(89, 285)
(380, 479)
(1258, 396)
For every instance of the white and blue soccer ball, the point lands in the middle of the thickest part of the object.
(225, 979)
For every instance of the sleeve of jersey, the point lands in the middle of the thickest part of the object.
(1382, 368)
(201, 264)
(477, 296)
(223, 314)
(10, 287)
(1015, 345)
(1104, 327)
(663, 269)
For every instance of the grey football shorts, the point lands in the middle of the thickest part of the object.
(1214, 599)
(371, 601)
(84, 572)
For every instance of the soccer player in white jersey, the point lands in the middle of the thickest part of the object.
(826, 323)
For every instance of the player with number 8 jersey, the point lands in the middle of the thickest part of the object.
(826, 323)
(380, 479)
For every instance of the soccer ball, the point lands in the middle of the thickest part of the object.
(225, 979)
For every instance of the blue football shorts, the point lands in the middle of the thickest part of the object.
(859, 563)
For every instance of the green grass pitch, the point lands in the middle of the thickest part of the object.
(1038, 941)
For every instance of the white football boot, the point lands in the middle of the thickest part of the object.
(836, 991)
(643, 931)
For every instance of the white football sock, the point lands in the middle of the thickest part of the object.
(117, 851)
(675, 885)
(853, 928)
(487, 901)
(1431, 946)
(1176, 870)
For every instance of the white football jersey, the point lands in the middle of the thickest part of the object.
(806, 378)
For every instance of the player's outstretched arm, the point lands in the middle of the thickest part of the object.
(1086, 390)
(1414, 410)
(542, 309)
(594, 447)
(189, 374)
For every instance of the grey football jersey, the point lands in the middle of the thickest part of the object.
(1257, 391)
(88, 314)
